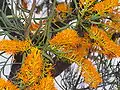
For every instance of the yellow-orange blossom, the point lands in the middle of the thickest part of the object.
(107, 45)
(31, 68)
(69, 40)
(14, 46)
(7, 85)
(90, 74)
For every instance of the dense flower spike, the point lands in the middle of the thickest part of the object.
(14, 46)
(46, 83)
(90, 74)
(98, 34)
(105, 6)
(7, 85)
(62, 7)
(31, 68)
(67, 38)
(75, 47)
(108, 46)
(77, 54)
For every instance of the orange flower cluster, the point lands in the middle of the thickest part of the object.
(46, 83)
(14, 46)
(68, 41)
(108, 46)
(98, 34)
(62, 7)
(105, 6)
(78, 53)
(90, 74)
(7, 85)
(31, 68)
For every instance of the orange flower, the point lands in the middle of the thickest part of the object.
(7, 85)
(62, 7)
(34, 27)
(31, 68)
(77, 54)
(108, 46)
(99, 7)
(75, 47)
(46, 83)
(105, 6)
(67, 38)
(98, 34)
(14, 46)
(90, 74)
